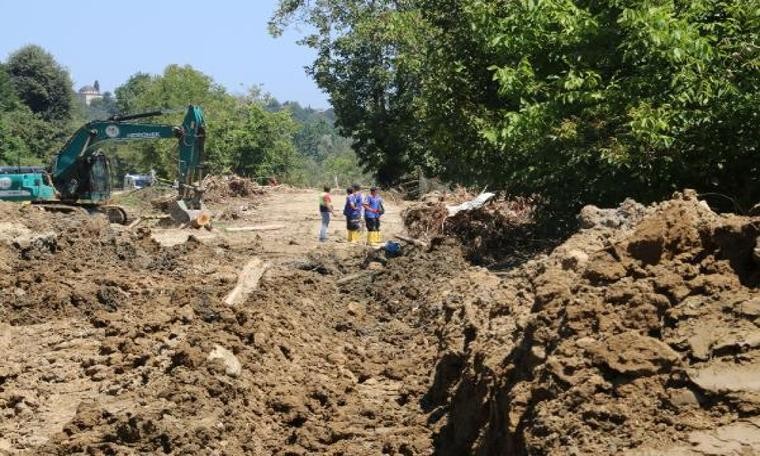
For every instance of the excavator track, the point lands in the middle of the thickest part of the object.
(61, 207)
(114, 213)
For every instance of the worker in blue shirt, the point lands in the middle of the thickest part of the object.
(373, 210)
(359, 199)
(352, 211)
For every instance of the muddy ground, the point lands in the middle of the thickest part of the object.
(637, 336)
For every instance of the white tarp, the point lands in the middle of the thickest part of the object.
(470, 205)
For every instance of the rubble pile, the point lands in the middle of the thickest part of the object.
(499, 233)
(220, 187)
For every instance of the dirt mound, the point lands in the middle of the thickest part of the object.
(303, 367)
(639, 339)
(117, 345)
(218, 188)
(71, 265)
(145, 201)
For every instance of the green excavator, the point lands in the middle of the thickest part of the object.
(79, 178)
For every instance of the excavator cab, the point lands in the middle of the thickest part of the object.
(100, 177)
(92, 180)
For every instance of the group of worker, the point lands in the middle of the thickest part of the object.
(357, 207)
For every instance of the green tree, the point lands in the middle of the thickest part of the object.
(128, 94)
(27, 139)
(357, 66)
(242, 135)
(8, 97)
(581, 101)
(311, 138)
(41, 83)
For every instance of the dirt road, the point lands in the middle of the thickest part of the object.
(287, 225)
(296, 212)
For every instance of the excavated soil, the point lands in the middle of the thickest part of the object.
(637, 336)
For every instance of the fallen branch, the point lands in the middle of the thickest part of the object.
(136, 222)
(236, 229)
(248, 280)
(416, 242)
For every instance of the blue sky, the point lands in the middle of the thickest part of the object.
(109, 41)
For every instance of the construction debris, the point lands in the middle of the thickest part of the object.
(638, 335)
(220, 187)
(474, 203)
(493, 230)
(247, 281)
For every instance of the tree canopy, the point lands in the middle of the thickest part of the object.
(41, 83)
(31, 79)
(580, 101)
(254, 134)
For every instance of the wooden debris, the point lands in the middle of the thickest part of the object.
(237, 229)
(143, 218)
(410, 240)
(248, 280)
(136, 222)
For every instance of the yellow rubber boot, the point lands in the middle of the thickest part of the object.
(374, 238)
(354, 236)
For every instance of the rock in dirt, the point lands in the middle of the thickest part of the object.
(631, 353)
(683, 397)
(628, 213)
(750, 308)
(229, 361)
(575, 259)
(722, 377)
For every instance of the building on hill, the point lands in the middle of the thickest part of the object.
(90, 92)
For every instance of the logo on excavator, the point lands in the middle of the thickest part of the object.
(112, 131)
(5, 182)
(146, 134)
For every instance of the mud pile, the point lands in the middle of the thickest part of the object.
(70, 265)
(637, 336)
(116, 345)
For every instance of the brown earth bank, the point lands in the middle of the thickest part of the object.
(636, 336)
